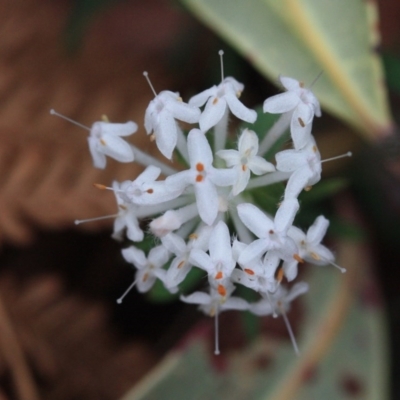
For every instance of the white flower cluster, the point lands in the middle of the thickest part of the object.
(202, 215)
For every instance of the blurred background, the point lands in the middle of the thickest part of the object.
(61, 334)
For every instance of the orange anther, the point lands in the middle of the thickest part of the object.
(200, 167)
(100, 186)
(249, 271)
(301, 122)
(219, 275)
(315, 256)
(314, 149)
(102, 141)
(244, 167)
(193, 236)
(145, 277)
(298, 258)
(150, 191)
(215, 101)
(199, 178)
(122, 207)
(181, 264)
(279, 274)
(221, 290)
(271, 232)
(308, 188)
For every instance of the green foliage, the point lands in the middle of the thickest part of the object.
(302, 38)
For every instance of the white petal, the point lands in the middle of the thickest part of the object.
(235, 303)
(281, 103)
(158, 256)
(174, 243)
(290, 160)
(231, 157)
(107, 128)
(317, 230)
(289, 83)
(248, 143)
(243, 178)
(213, 113)
(207, 201)
(297, 290)
(255, 219)
(239, 110)
(253, 251)
(117, 148)
(285, 215)
(179, 181)
(135, 256)
(199, 149)
(220, 244)
(222, 177)
(259, 165)
(166, 134)
(99, 159)
(197, 298)
(200, 99)
(301, 135)
(297, 182)
(184, 112)
(133, 231)
(201, 259)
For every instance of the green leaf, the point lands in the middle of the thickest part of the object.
(302, 38)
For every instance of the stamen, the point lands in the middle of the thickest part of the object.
(274, 313)
(298, 258)
(181, 264)
(216, 327)
(316, 79)
(119, 301)
(301, 122)
(219, 275)
(289, 328)
(54, 112)
(200, 167)
(221, 290)
(249, 271)
(215, 101)
(146, 75)
(348, 154)
(82, 221)
(221, 53)
(279, 274)
(104, 118)
(104, 187)
(341, 269)
(193, 236)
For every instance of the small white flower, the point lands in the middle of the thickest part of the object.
(160, 118)
(148, 268)
(105, 140)
(310, 247)
(213, 303)
(218, 99)
(279, 301)
(272, 234)
(145, 190)
(245, 159)
(219, 264)
(301, 102)
(203, 176)
(305, 165)
(127, 216)
(180, 265)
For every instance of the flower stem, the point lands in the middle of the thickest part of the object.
(268, 179)
(275, 133)
(144, 159)
(221, 132)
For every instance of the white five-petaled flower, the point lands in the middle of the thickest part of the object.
(145, 190)
(148, 268)
(218, 99)
(301, 102)
(310, 247)
(272, 234)
(279, 301)
(180, 265)
(203, 176)
(245, 159)
(160, 118)
(214, 303)
(219, 264)
(305, 165)
(127, 216)
(105, 140)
